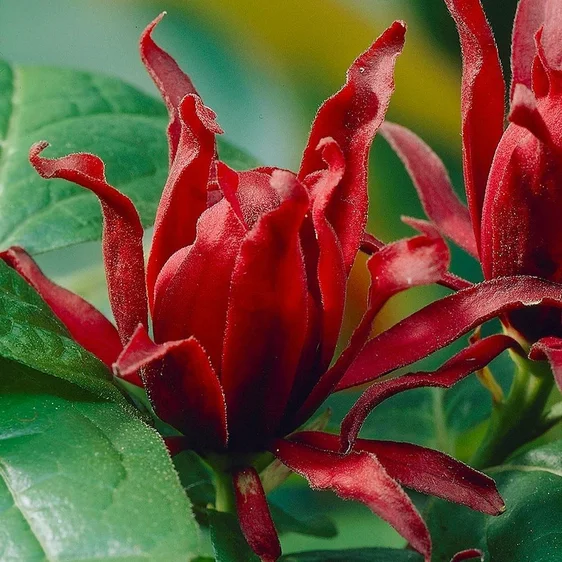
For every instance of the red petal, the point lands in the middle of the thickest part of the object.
(360, 477)
(192, 291)
(254, 516)
(525, 113)
(325, 272)
(266, 319)
(352, 117)
(424, 470)
(185, 194)
(89, 327)
(520, 222)
(467, 361)
(168, 78)
(398, 266)
(433, 185)
(528, 20)
(442, 322)
(122, 234)
(550, 348)
(182, 386)
(482, 101)
(370, 244)
(330, 269)
(551, 40)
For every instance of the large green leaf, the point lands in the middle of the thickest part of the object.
(82, 480)
(30, 334)
(77, 111)
(530, 529)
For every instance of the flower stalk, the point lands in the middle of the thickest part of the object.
(517, 420)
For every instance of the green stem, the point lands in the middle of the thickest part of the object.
(225, 499)
(516, 420)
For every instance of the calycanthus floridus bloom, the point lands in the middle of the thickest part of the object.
(245, 287)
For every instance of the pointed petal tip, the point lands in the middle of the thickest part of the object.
(192, 103)
(150, 27)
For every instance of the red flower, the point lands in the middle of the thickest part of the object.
(512, 176)
(245, 286)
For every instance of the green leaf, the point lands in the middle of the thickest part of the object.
(82, 480)
(229, 545)
(31, 335)
(355, 555)
(196, 478)
(77, 112)
(531, 527)
(316, 526)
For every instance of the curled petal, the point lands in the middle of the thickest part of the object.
(360, 477)
(528, 20)
(254, 516)
(89, 327)
(325, 271)
(122, 234)
(431, 180)
(170, 80)
(266, 321)
(550, 348)
(181, 384)
(331, 269)
(370, 244)
(352, 117)
(185, 194)
(421, 469)
(482, 101)
(442, 322)
(398, 266)
(525, 113)
(471, 359)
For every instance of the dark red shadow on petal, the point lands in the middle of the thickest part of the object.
(182, 386)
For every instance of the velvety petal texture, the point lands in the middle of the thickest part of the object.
(414, 337)
(182, 386)
(482, 101)
(550, 348)
(433, 185)
(352, 117)
(168, 77)
(253, 514)
(421, 469)
(122, 234)
(421, 260)
(360, 477)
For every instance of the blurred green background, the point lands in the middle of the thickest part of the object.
(265, 67)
